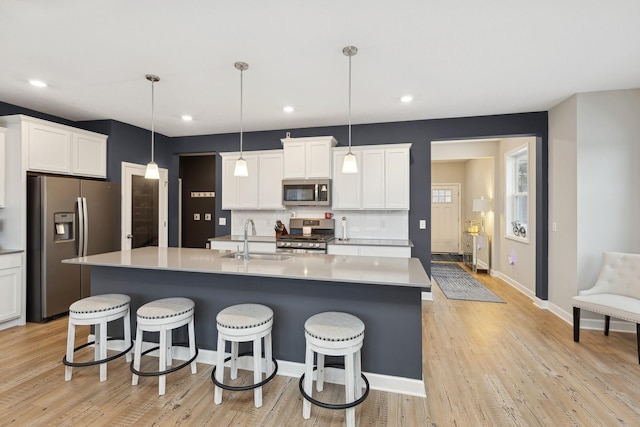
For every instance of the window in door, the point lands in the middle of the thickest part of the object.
(517, 193)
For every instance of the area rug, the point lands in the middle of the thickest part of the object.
(456, 283)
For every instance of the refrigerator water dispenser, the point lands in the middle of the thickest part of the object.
(64, 226)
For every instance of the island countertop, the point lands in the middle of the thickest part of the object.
(402, 272)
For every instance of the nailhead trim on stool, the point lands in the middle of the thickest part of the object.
(243, 323)
(163, 316)
(334, 334)
(97, 310)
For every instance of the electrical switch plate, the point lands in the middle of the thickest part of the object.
(423, 224)
(554, 226)
(196, 217)
(222, 221)
(207, 217)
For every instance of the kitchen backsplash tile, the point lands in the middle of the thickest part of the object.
(360, 224)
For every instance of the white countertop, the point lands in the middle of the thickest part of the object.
(240, 238)
(373, 242)
(403, 272)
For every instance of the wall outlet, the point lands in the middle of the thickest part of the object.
(196, 217)
(222, 221)
(207, 217)
(423, 224)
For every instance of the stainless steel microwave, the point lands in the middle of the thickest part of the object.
(306, 192)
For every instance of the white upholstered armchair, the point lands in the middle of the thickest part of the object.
(615, 294)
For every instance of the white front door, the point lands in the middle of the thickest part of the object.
(445, 218)
(144, 208)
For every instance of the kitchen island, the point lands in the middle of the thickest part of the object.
(384, 292)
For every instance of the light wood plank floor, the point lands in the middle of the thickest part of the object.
(485, 364)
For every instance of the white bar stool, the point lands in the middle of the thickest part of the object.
(97, 310)
(334, 334)
(243, 323)
(163, 316)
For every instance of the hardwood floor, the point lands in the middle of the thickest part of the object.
(485, 364)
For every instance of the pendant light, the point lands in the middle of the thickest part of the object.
(152, 167)
(350, 165)
(241, 164)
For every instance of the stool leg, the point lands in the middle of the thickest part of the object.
(162, 363)
(192, 346)
(268, 354)
(349, 389)
(101, 347)
(170, 347)
(71, 335)
(308, 382)
(217, 396)
(356, 375)
(127, 333)
(320, 372)
(137, 351)
(257, 370)
(234, 360)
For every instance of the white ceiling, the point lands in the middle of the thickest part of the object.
(457, 58)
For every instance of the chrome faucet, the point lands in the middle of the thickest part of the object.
(245, 254)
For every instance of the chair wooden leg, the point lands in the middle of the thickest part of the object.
(576, 324)
(607, 321)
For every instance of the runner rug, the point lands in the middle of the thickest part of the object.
(456, 283)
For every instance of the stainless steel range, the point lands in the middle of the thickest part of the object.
(307, 235)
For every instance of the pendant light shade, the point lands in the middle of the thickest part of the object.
(350, 165)
(152, 167)
(241, 164)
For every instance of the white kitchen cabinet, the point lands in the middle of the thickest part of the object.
(347, 187)
(89, 155)
(369, 250)
(262, 189)
(60, 149)
(270, 168)
(308, 157)
(382, 181)
(3, 167)
(10, 286)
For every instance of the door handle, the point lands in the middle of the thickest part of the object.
(129, 236)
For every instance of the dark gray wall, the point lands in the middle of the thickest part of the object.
(132, 144)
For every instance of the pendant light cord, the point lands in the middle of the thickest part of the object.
(241, 74)
(152, 117)
(349, 104)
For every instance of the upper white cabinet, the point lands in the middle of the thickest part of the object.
(262, 189)
(60, 149)
(382, 181)
(308, 157)
(3, 168)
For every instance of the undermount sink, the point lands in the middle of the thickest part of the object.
(259, 255)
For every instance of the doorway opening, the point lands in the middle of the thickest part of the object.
(197, 182)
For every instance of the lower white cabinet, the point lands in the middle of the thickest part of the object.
(369, 250)
(3, 168)
(261, 189)
(10, 286)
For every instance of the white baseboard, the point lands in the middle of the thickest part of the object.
(427, 296)
(401, 385)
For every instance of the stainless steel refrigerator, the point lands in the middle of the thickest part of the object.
(66, 218)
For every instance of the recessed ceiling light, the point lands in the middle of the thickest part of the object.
(187, 118)
(288, 109)
(38, 83)
(406, 98)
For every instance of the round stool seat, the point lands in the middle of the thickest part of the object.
(163, 309)
(334, 326)
(244, 316)
(99, 305)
